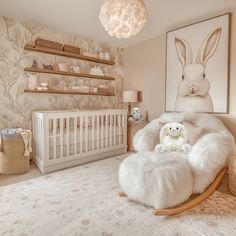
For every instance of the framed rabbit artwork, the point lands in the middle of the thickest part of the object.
(197, 66)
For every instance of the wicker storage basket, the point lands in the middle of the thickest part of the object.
(232, 175)
(48, 44)
(12, 159)
(72, 49)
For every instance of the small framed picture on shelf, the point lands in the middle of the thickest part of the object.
(62, 67)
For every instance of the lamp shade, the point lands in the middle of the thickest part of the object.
(130, 96)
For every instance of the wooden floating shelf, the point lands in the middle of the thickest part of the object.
(39, 70)
(66, 54)
(65, 92)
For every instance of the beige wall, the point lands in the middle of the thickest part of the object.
(145, 71)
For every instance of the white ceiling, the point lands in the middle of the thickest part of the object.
(80, 17)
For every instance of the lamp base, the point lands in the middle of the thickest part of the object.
(129, 110)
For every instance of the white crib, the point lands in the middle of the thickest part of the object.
(67, 138)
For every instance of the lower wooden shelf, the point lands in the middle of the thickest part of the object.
(55, 72)
(66, 92)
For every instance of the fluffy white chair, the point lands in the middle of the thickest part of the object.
(209, 154)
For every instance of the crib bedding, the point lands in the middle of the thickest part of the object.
(92, 135)
(78, 149)
(96, 138)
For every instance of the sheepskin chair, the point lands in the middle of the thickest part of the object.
(167, 179)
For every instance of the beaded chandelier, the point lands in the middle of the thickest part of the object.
(123, 18)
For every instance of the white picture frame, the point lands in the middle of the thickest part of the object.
(197, 66)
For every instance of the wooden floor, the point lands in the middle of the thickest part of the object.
(34, 173)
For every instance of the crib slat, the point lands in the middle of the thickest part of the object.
(114, 130)
(61, 137)
(81, 134)
(47, 139)
(106, 145)
(86, 134)
(124, 128)
(98, 130)
(102, 131)
(67, 136)
(119, 129)
(93, 125)
(75, 135)
(54, 126)
(110, 131)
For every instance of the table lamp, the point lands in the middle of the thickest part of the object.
(130, 96)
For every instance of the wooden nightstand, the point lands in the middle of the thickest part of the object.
(133, 127)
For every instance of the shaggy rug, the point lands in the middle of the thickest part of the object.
(84, 201)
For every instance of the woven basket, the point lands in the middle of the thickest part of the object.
(72, 49)
(48, 44)
(232, 175)
(12, 159)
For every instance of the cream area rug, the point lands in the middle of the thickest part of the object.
(84, 201)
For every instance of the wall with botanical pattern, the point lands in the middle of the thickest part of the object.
(16, 106)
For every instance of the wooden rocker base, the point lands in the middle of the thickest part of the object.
(193, 201)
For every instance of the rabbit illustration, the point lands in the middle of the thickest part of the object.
(193, 89)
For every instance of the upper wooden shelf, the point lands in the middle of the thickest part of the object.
(66, 54)
(66, 92)
(39, 70)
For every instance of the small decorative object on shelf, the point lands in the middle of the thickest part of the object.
(72, 49)
(84, 89)
(43, 86)
(104, 56)
(48, 44)
(76, 87)
(47, 67)
(102, 88)
(34, 64)
(81, 88)
(96, 70)
(62, 67)
(93, 89)
(75, 69)
(107, 56)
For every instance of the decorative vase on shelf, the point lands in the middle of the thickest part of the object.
(32, 82)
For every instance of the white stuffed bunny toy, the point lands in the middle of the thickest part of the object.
(173, 137)
(193, 88)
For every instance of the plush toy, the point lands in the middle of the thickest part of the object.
(173, 137)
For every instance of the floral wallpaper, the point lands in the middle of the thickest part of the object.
(16, 106)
